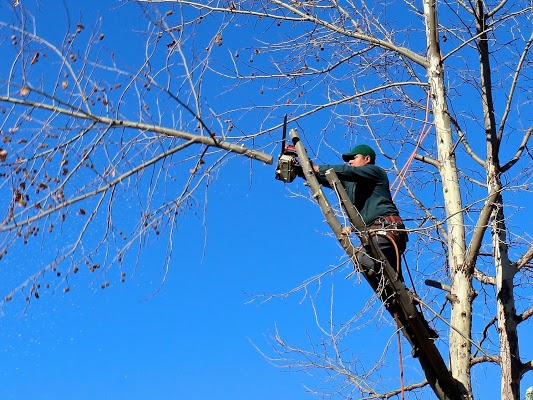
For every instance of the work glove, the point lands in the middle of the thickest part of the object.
(299, 171)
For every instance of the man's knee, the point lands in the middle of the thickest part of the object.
(367, 263)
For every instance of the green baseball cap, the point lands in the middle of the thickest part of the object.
(362, 149)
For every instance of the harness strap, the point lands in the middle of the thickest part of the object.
(388, 226)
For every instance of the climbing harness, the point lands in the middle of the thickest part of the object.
(392, 228)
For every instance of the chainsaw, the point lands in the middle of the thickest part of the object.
(288, 164)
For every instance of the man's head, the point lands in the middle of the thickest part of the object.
(360, 155)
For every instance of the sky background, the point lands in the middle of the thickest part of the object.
(197, 335)
(192, 339)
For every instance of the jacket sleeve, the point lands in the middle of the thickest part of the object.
(321, 177)
(348, 173)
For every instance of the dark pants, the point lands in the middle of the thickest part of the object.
(367, 263)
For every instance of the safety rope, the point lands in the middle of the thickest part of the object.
(400, 355)
(398, 335)
(403, 172)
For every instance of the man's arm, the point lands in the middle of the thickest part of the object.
(320, 176)
(349, 173)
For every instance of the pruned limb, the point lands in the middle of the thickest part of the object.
(427, 160)
(438, 285)
(442, 286)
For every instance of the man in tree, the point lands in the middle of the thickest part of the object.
(367, 186)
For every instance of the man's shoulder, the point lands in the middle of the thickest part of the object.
(373, 168)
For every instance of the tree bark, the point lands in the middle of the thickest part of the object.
(461, 278)
(505, 270)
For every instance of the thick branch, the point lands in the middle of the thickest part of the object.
(525, 259)
(526, 367)
(483, 278)
(208, 141)
(427, 160)
(519, 152)
(525, 315)
(482, 359)
(480, 229)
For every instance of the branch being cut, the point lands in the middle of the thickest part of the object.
(118, 123)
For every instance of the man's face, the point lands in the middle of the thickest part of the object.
(359, 160)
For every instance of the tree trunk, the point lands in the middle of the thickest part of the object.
(461, 278)
(505, 271)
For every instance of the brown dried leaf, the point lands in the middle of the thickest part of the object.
(35, 58)
(19, 198)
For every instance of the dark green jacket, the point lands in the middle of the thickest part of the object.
(367, 188)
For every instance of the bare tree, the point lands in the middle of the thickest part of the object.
(442, 88)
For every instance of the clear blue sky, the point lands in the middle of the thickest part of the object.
(191, 338)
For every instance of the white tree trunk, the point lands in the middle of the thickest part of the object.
(461, 279)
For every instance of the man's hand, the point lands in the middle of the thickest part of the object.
(315, 168)
(346, 230)
(299, 171)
